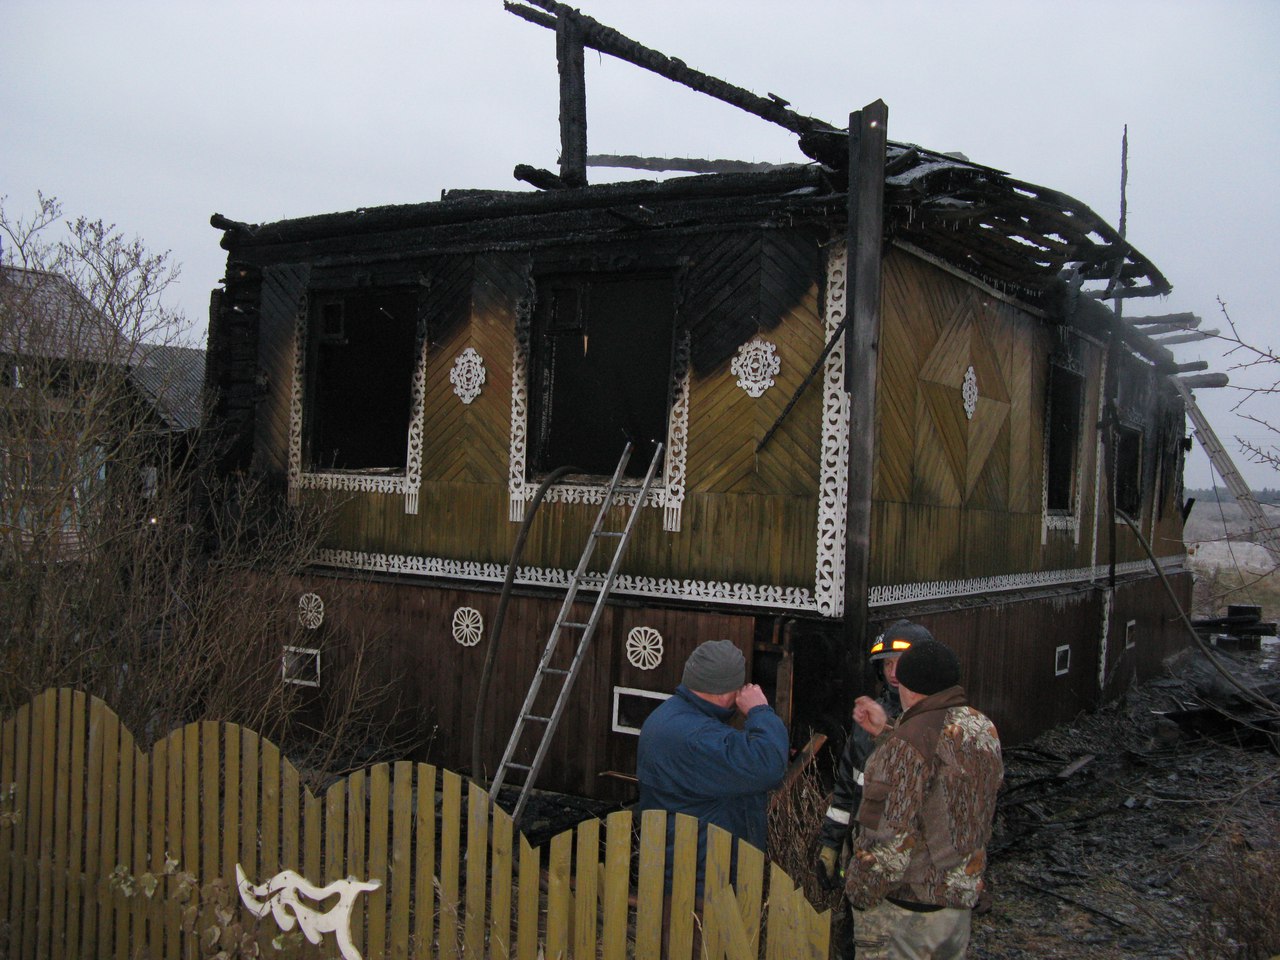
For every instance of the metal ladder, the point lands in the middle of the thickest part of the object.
(578, 579)
(1259, 526)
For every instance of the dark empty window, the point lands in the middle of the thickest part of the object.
(1129, 471)
(600, 371)
(1066, 403)
(361, 352)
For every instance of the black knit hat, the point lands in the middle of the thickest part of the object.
(716, 666)
(928, 667)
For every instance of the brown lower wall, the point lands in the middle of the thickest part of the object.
(1008, 653)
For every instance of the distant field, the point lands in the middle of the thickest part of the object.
(1230, 569)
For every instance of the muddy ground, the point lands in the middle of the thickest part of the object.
(1105, 825)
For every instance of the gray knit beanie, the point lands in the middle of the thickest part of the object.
(928, 668)
(716, 666)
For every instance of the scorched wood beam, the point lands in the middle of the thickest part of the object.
(682, 164)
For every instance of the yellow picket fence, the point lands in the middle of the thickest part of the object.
(107, 852)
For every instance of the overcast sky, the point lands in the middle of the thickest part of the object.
(154, 115)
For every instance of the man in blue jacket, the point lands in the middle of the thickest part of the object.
(691, 760)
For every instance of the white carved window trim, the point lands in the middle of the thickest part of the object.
(833, 480)
(407, 484)
(969, 392)
(617, 726)
(755, 365)
(468, 626)
(468, 375)
(310, 611)
(1056, 520)
(668, 493)
(644, 648)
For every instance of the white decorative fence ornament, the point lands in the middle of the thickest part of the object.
(310, 611)
(281, 897)
(467, 375)
(468, 626)
(755, 366)
(644, 648)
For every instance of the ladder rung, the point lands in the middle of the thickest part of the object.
(570, 623)
(611, 533)
(534, 717)
(519, 766)
(562, 673)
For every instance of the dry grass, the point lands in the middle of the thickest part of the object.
(1237, 887)
(795, 817)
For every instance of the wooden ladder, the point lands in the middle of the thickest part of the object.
(1259, 525)
(579, 579)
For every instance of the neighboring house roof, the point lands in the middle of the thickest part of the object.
(44, 316)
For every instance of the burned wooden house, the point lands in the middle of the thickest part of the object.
(885, 383)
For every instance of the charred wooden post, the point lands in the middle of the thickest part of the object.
(867, 142)
(1192, 337)
(682, 164)
(573, 102)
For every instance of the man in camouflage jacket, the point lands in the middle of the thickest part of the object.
(926, 813)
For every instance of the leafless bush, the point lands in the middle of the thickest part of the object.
(115, 575)
(1237, 886)
(795, 817)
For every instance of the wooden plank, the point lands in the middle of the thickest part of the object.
(137, 905)
(357, 848)
(527, 907)
(175, 828)
(249, 774)
(750, 884)
(586, 895)
(424, 862)
(156, 799)
(290, 817)
(24, 834)
(231, 802)
(684, 877)
(781, 932)
(500, 885)
(210, 782)
(48, 786)
(379, 827)
(450, 861)
(101, 829)
(617, 885)
(477, 868)
(269, 810)
(649, 886)
(722, 914)
(191, 821)
(118, 912)
(312, 836)
(61, 827)
(77, 889)
(719, 852)
(401, 857)
(559, 895)
(335, 824)
(8, 804)
(108, 808)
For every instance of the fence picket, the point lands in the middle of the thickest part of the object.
(376, 902)
(586, 892)
(86, 804)
(450, 845)
(649, 886)
(401, 857)
(617, 885)
(477, 868)
(424, 862)
(500, 885)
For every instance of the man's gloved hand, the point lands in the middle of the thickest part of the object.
(829, 869)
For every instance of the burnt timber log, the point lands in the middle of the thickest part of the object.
(682, 164)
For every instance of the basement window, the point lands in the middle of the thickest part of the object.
(1062, 660)
(360, 361)
(1131, 634)
(601, 371)
(300, 666)
(1129, 471)
(631, 708)
(1062, 441)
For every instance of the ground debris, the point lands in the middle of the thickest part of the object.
(1103, 821)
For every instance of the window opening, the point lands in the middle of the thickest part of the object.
(1066, 404)
(359, 391)
(1062, 660)
(1129, 471)
(600, 370)
(631, 707)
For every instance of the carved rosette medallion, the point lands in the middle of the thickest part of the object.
(467, 375)
(644, 648)
(969, 391)
(468, 626)
(310, 611)
(755, 366)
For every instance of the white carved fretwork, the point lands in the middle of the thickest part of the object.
(969, 392)
(468, 626)
(407, 483)
(281, 896)
(755, 366)
(467, 375)
(669, 494)
(833, 482)
(310, 611)
(644, 648)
